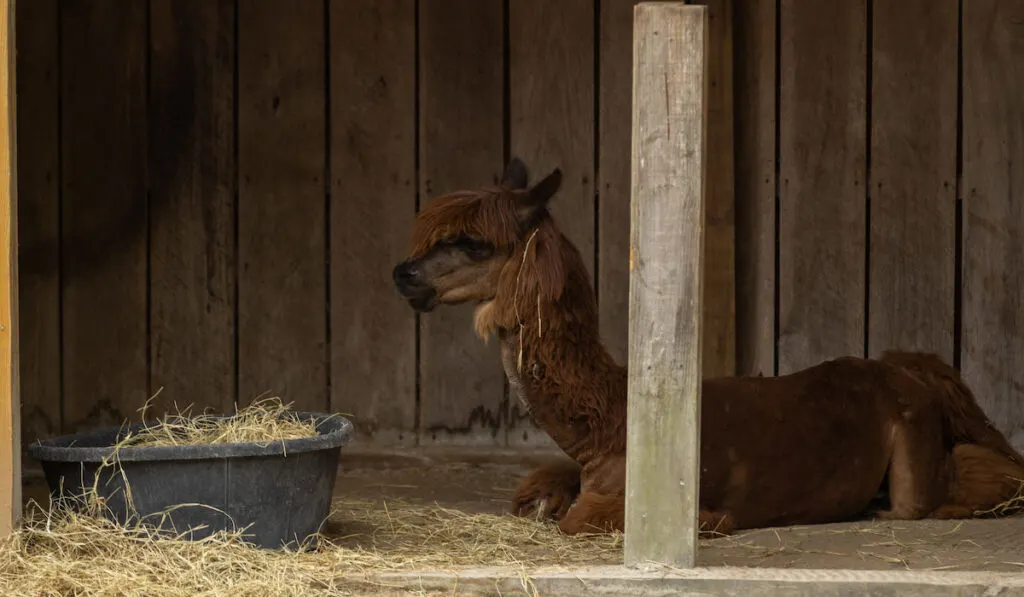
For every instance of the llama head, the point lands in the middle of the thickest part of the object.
(463, 240)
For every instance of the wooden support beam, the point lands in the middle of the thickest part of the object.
(666, 272)
(10, 446)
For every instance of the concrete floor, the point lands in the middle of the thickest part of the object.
(486, 486)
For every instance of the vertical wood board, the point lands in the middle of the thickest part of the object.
(551, 104)
(38, 218)
(755, 68)
(103, 211)
(613, 150)
(822, 229)
(192, 204)
(719, 328)
(282, 278)
(993, 223)
(10, 454)
(373, 198)
(461, 147)
(913, 176)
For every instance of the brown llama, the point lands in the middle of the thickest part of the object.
(811, 447)
(987, 470)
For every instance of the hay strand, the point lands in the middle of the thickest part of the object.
(1012, 506)
(264, 421)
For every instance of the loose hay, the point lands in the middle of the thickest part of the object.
(65, 553)
(263, 421)
(69, 551)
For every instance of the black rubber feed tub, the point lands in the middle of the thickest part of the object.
(280, 490)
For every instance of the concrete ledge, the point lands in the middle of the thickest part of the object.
(738, 582)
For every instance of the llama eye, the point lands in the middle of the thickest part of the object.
(477, 249)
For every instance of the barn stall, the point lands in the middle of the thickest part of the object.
(212, 195)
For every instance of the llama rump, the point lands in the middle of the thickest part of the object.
(814, 446)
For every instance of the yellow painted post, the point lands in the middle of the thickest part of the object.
(10, 451)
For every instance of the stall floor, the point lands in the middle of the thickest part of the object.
(486, 487)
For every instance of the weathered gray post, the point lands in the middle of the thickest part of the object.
(666, 271)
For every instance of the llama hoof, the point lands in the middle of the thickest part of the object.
(543, 509)
(547, 493)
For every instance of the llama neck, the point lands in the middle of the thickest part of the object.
(560, 372)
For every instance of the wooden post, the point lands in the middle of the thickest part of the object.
(10, 446)
(666, 271)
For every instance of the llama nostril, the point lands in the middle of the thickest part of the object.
(404, 273)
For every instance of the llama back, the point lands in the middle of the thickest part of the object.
(967, 422)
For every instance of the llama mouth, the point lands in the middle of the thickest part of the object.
(423, 303)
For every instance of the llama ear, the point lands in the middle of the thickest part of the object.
(543, 191)
(536, 199)
(515, 176)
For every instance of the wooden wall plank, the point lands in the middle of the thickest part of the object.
(822, 160)
(282, 320)
(993, 222)
(615, 83)
(461, 98)
(10, 426)
(373, 198)
(192, 197)
(551, 103)
(103, 210)
(719, 329)
(39, 218)
(615, 79)
(755, 65)
(913, 176)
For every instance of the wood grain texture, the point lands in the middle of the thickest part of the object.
(282, 281)
(613, 184)
(10, 425)
(613, 150)
(551, 104)
(993, 223)
(913, 176)
(192, 204)
(103, 211)
(719, 355)
(822, 229)
(461, 97)
(669, 161)
(39, 218)
(373, 198)
(755, 64)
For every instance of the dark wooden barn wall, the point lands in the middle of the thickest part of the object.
(879, 190)
(213, 193)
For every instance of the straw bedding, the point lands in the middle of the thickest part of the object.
(65, 552)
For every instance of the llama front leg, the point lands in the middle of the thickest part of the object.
(595, 513)
(919, 468)
(548, 492)
(601, 513)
